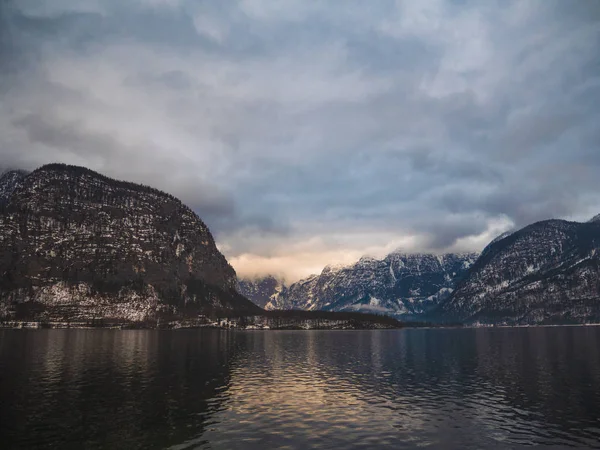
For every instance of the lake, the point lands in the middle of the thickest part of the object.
(186, 389)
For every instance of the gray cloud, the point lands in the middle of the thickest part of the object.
(302, 131)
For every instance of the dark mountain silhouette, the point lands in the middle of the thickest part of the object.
(77, 245)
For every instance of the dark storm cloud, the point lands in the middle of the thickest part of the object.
(305, 132)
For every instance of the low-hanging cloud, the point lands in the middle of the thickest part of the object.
(308, 133)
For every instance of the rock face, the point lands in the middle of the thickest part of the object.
(9, 181)
(261, 291)
(402, 285)
(78, 246)
(548, 272)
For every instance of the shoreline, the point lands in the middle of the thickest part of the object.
(36, 325)
(176, 325)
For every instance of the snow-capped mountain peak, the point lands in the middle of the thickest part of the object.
(401, 284)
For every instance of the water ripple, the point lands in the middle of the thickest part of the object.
(225, 390)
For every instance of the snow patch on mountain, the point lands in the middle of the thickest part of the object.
(547, 272)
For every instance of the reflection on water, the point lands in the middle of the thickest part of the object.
(472, 388)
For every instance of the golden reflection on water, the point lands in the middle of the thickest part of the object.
(284, 382)
(358, 389)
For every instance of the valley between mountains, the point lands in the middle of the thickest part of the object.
(77, 246)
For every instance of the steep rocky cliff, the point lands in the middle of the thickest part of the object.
(78, 246)
(548, 272)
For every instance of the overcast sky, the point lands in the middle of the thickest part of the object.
(312, 132)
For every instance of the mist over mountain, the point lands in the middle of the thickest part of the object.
(262, 291)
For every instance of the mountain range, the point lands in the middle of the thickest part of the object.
(545, 273)
(79, 246)
(402, 285)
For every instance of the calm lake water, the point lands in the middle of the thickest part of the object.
(184, 389)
